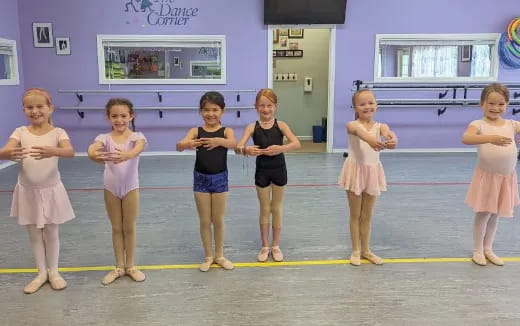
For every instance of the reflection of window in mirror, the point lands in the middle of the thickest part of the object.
(143, 59)
(436, 57)
(8, 63)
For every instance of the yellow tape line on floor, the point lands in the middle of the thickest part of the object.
(267, 264)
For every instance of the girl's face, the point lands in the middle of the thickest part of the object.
(494, 106)
(211, 114)
(265, 108)
(37, 110)
(120, 117)
(365, 105)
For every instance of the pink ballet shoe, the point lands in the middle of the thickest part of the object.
(113, 275)
(277, 254)
(224, 263)
(135, 274)
(57, 282)
(206, 264)
(490, 255)
(373, 258)
(263, 254)
(35, 284)
(355, 258)
(478, 258)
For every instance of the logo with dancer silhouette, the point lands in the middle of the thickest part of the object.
(159, 12)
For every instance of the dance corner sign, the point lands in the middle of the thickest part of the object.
(158, 12)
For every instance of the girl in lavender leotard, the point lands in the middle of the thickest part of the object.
(119, 150)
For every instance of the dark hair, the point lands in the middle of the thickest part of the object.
(494, 88)
(212, 97)
(121, 101)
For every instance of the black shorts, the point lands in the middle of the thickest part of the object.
(276, 176)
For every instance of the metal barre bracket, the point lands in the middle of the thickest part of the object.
(443, 95)
(80, 97)
(160, 114)
(515, 111)
(516, 95)
(441, 111)
(81, 114)
(159, 95)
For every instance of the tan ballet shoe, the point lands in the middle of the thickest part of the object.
(373, 258)
(490, 255)
(35, 284)
(135, 274)
(224, 263)
(478, 258)
(57, 282)
(355, 258)
(113, 275)
(277, 254)
(206, 264)
(263, 254)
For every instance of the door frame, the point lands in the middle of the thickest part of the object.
(332, 71)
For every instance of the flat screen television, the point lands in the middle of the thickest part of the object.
(289, 12)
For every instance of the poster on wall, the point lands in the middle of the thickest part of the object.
(62, 46)
(159, 12)
(42, 35)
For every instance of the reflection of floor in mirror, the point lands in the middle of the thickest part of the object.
(308, 146)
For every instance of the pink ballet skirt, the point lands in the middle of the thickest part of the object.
(492, 192)
(360, 178)
(362, 171)
(41, 206)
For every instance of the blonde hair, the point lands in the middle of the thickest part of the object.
(357, 93)
(268, 93)
(494, 88)
(42, 92)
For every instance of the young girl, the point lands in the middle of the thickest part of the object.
(40, 200)
(362, 175)
(493, 191)
(271, 172)
(119, 150)
(210, 176)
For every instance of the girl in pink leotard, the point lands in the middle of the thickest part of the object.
(493, 191)
(40, 200)
(119, 150)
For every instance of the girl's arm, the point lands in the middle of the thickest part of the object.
(357, 130)
(189, 141)
(472, 136)
(12, 151)
(389, 136)
(95, 153)
(64, 149)
(241, 146)
(294, 142)
(228, 141)
(120, 156)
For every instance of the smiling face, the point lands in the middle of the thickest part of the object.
(266, 108)
(365, 105)
(211, 114)
(120, 117)
(494, 106)
(37, 109)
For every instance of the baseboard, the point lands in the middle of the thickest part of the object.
(419, 150)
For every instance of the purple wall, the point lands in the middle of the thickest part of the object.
(10, 96)
(241, 22)
(420, 127)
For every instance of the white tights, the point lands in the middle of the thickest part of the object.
(45, 244)
(484, 230)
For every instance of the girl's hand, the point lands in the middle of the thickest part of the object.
(194, 143)
(500, 140)
(41, 152)
(101, 156)
(210, 143)
(241, 150)
(272, 150)
(16, 154)
(254, 150)
(390, 143)
(377, 145)
(119, 156)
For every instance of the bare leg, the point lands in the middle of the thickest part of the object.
(264, 199)
(354, 204)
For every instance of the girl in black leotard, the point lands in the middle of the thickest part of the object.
(271, 172)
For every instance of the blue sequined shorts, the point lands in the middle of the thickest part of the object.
(210, 183)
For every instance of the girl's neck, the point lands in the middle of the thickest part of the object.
(497, 122)
(41, 128)
(266, 122)
(365, 121)
(124, 133)
(212, 127)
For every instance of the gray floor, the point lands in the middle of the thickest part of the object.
(421, 215)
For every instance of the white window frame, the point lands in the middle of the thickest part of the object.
(13, 63)
(444, 39)
(102, 38)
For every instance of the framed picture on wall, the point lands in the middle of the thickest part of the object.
(283, 42)
(283, 31)
(298, 53)
(276, 35)
(176, 61)
(296, 33)
(465, 53)
(42, 35)
(63, 46)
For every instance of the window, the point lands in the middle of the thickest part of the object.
(436, 57)
(8, 63)
(149, 59)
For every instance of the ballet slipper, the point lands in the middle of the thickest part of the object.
(57, 282)
(490, 255)
(113, 275)
(35, 284)
(224, 263)
(373, 258)
(478, 258)
(277, 254)
(206, 264)
(263, 254)
(135, 274)
(355, 258)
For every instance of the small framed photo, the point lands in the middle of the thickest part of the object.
(176, 61)
(42, 35)
(296, 33)
(280, 53)
(465, 53)
(293, 45)
(63, 46)
(284, 32)
(283, 42)
(276, 35)
(289, 53)
(298, 53)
